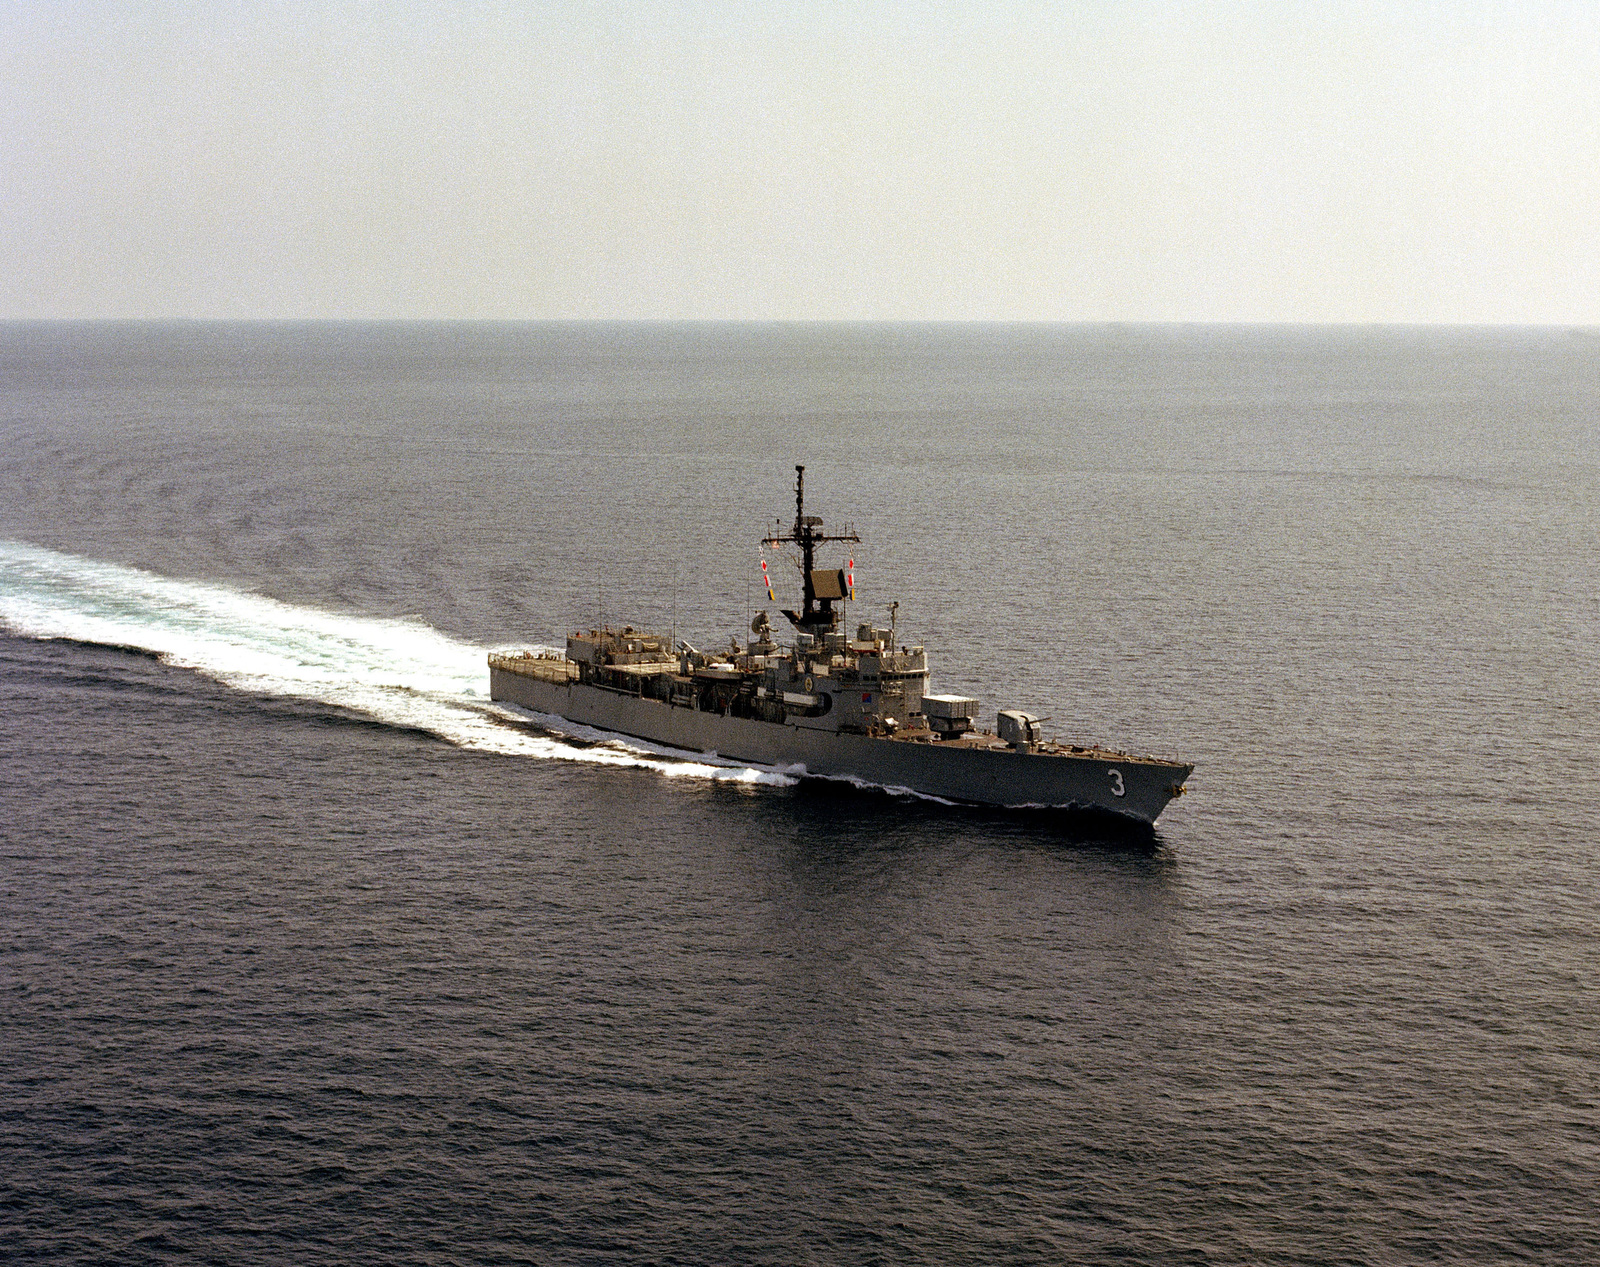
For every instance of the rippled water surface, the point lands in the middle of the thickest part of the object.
(311, 954)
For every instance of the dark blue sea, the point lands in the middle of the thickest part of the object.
(310, 954)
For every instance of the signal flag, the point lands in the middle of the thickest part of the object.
(771, 597)
(850, 578)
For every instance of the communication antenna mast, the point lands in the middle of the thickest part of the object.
(816, 615)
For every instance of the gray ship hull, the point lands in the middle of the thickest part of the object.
(1135, 788)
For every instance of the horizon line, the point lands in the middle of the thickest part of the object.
(815, 321)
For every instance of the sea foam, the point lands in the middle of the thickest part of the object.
(402, 672)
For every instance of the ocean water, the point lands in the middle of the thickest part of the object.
(311, 954)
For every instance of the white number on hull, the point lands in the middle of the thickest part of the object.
(1116, 783)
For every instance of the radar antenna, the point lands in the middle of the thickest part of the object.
(816, 616)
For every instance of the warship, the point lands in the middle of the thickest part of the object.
(827, 705)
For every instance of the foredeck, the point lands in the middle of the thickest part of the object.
(984, 740)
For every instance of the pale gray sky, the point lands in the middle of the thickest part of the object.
(1224, 161)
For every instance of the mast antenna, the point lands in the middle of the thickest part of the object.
(816, 615)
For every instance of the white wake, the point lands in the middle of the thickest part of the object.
(398, 671)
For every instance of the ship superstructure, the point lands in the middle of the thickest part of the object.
(826, 704)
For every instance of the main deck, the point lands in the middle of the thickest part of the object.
(977, 768)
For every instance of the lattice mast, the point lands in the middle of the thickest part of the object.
(820, 589)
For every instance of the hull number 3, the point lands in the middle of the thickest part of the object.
(1116, 783)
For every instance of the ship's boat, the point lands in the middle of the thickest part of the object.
(827, 705)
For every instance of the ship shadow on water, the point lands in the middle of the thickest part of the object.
(850, 859)
(863, 813)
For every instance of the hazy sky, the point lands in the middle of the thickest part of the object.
(1221, 161)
